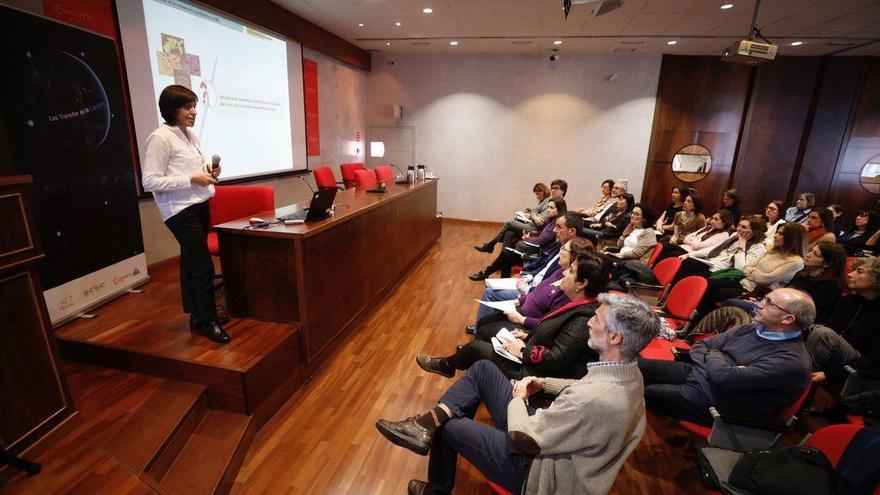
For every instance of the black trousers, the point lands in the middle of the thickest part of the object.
(479, 350)
(190, 228)
(505, 261)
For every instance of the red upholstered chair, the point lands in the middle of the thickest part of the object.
(743, 434)
(717, 463)
(347, 170)
(655, 254)
(232, 202)
(664, 272)
(364, 179)
(497, 489)
(384, 173)
(324, 177)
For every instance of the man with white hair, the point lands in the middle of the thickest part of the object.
(576, 445)
(754, 370)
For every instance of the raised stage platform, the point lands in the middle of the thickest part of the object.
(148, 333)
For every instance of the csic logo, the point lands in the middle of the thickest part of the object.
(93, 289)
(123, 278)
(65, 303)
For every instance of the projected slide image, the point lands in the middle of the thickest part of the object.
(240, 75)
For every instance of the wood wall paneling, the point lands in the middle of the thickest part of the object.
(775, 124)
(863, 143)
(700, 101)
(837, 94)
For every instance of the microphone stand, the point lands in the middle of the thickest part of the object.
(300, 177)
(400, 179)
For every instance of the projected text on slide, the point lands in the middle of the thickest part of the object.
(240, 75)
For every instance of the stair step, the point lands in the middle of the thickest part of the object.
(211, 458)
(161, 425)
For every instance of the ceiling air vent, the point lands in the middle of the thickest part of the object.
(522, 42)
(632, 42)
(624, 50)
(420, 43)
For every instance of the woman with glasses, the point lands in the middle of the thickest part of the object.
(638, 238)
(605, 202)
(735, 253)
(773, 214)
(855, 239)
(803, 205)
(851, 336)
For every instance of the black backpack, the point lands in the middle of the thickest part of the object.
(787, 471)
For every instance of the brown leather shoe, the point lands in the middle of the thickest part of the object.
(435, 365)
(407, 434)
(418, 487)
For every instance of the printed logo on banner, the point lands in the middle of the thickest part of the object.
(66, 303)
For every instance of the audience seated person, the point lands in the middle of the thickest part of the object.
(852, 334)
(773, 270)
(533, 241)
(754, 370)
(855, 239)
(689, 219)
(638, 238)
(713, 234)
(557, 344)
(773, 215)
(540, 301)
(613, 223)
(508, 258)
(617, 190)
(730, 202)
(577, 445)
(606, 201)
(820, 225)
(547, 268)
(665, 223)
(533, 219)
(803, 205)
(735, 253)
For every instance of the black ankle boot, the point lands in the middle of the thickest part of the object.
(213, 331)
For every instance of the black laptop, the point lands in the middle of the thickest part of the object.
(319, 208)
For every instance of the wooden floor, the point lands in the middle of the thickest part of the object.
(323, 439)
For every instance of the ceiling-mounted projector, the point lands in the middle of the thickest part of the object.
(597, 7)
(750, 52)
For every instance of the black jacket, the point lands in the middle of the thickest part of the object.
(557, 346)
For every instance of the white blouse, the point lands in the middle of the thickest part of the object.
(169, 161)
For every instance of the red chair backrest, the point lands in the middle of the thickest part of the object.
(685, 296)
(665, 270)
(324, 177)
(231, 202)
(364, 179)
(655, 254)
(849, 265)
(796, 406)
(384, 173)
(347, 170)
(832, 440)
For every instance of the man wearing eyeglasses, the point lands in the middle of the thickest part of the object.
(754, 370)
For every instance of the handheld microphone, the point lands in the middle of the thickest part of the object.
(215, 162)
(300, 177)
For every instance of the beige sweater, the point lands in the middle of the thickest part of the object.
(771, 271)
(586, 434)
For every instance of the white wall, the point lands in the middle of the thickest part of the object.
(491, 125)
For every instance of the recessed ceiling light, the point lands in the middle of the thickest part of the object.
(427, 10)
(387, 43)
(727, 6)
(361, 24)
(397, 23)
(797, 43)
(453, 43)
(671, 42)
(557, 42)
